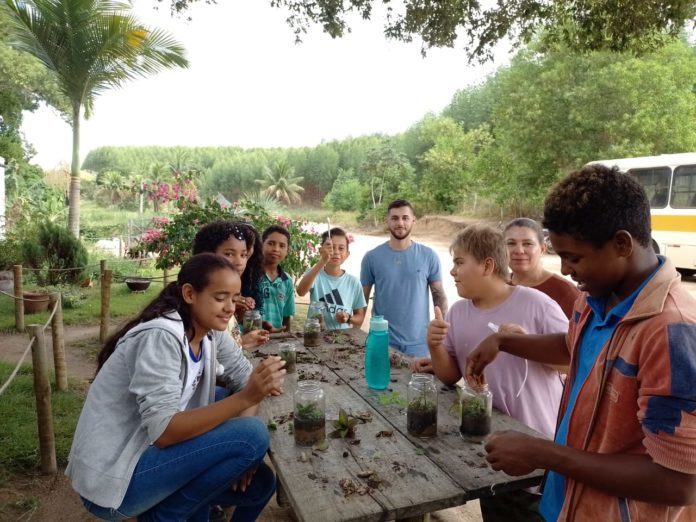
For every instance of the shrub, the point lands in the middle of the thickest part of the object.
(58, 251)
(10, 254)
(172, 239)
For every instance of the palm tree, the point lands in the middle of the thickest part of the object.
(112, 186)
(281, 183)
(90, 46)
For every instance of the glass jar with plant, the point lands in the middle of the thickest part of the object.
(309, 418)
(287, 352)
(477, 410)
(316, 311)
(421, 412)
(312, 332)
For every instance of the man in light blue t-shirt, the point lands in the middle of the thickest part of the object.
(402, 272)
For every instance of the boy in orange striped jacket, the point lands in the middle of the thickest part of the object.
(625, 445)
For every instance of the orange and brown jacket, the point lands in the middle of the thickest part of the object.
(639, 398)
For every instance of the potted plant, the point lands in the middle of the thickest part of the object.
(421, 412)
(476, 418)
(309, 424)
(289, 355)
(312, 332)
(138, 284)
(35, 300)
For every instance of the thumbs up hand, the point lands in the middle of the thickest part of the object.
(437, 329)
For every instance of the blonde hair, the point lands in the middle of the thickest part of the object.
(483, 242)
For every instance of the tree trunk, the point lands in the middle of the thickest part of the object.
(74, 203)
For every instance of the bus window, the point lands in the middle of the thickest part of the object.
(655, 181)
(684, 187)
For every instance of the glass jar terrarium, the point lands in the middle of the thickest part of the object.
(477, 411)
(316, 311)
(309, 417)
(312, 332)
(252, 321)
(287, 352)
(421, 413)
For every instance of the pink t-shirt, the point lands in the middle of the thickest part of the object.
(541, 387)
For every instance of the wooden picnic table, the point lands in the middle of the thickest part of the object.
(410, 476)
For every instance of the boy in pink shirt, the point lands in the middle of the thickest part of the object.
(528, 391)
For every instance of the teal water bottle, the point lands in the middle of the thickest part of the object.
(377, 354)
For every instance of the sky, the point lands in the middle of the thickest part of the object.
(250, 85)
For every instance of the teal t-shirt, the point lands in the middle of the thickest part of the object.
(339, 294)
(278, 298)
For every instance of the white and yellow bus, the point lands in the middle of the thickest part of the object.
(670, 183)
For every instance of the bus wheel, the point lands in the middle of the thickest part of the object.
(655, 246)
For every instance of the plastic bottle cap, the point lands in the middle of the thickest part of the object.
(379, 324)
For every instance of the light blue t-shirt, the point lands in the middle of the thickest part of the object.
(400, 279)
(596, 333)
(340, 294)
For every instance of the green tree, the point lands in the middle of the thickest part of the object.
(112, 187)
(90, 46)
(583, 24)
(388, 175)
(280, 182)
(448, 179)
(346, 192)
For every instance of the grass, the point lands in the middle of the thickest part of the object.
(123, 303)
(93, 213)
(19, 444)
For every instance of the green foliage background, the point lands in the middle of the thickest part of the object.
(495, 149)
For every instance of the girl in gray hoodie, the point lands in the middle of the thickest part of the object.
(151, 441)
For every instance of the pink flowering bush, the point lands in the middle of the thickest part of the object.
(172, 239)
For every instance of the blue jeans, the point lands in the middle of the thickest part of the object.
(180, 482)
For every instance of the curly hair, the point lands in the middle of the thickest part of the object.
(594, 203)
(211, 235)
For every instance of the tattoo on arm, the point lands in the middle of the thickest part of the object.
(439, 297)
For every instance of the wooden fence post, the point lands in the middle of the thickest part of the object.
(55, 302)
(42, 391)
(102, 266)
(165, 279)
(105, 302)
(19, 304)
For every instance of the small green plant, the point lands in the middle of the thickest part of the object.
(309, 411)
(344, 427)
(271, 425)
(393, 398)
(473, 406)
(340, 338)
(421, 402)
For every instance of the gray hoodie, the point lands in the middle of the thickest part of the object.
(133, 398)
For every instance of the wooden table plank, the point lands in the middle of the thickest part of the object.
(463, 461)
(411, 484)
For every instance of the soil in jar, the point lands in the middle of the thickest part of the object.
(421, 420)
(312, 338)
(309, 430)
(476, 421)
